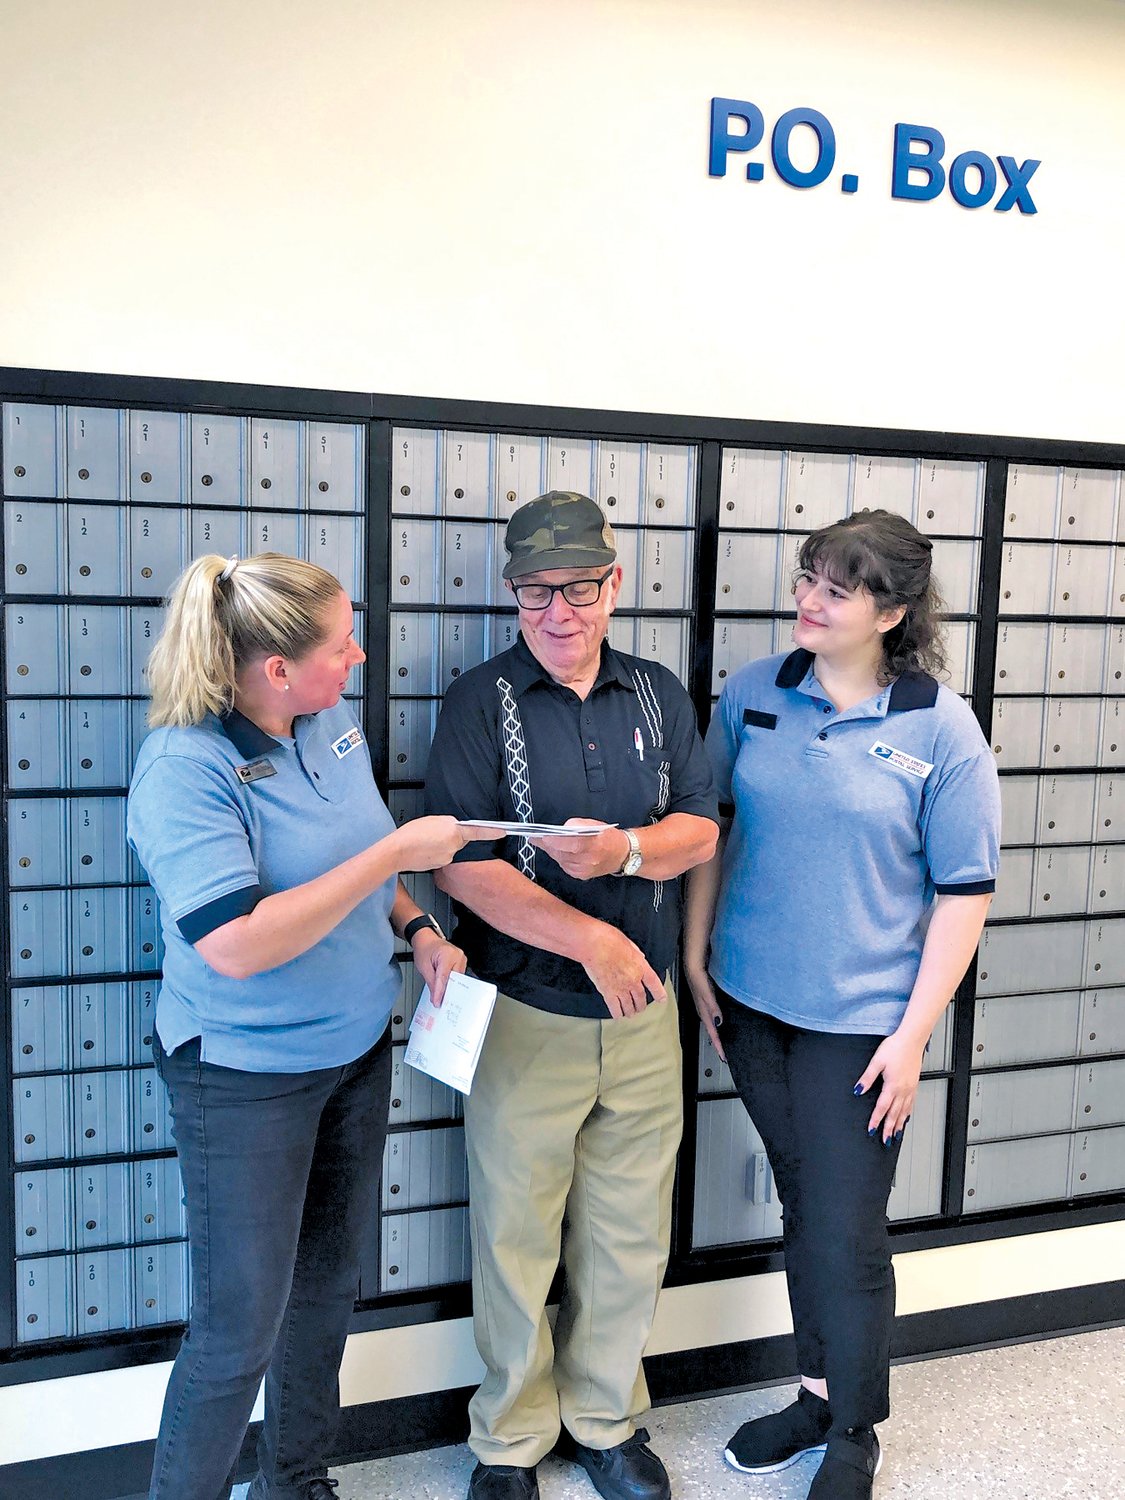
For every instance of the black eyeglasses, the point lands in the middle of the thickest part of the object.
(580, 592)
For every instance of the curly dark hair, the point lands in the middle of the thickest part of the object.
(883, 553)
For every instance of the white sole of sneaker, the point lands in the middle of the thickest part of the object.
(772, 1468)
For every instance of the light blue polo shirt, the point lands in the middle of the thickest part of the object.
(222, 815)
(845, 825)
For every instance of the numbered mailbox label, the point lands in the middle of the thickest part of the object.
(44, 1211)
(817, 489)
(517, 473)
(415, 562)
(97, 931)
(44, 1298)
(35, 743)
(145, 626)
(102, 1207)
(669, 485)
(468, 570)
(97, 650)
(950, 497)
(31, 447)
(157, 548)
(466, 473)
(217, 460)
(34, 547)
(217, 531)
(275, 532)
(1017, 731)
(41, 1113)
(156, 443)
(335, 453)
(95, 549)
(37, 842)
(414, 471)
(38, 934)
(570, 464)
(335, 543)
(93, 453)
(1087, 504)
(100, 1019)
(883, 483)
(275, 463)
(40, 1030)
(104, 1291)
(619, 482)
(751, 487)
(36, 648)
(101, 1114)
(98, 749)
(1031, 504)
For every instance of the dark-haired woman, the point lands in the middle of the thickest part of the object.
(255, 813)
(827, 936)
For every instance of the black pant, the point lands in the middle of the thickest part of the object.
(280, 1175)
(834, 1181)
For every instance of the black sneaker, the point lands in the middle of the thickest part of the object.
(851, 1462)
(774, 1442)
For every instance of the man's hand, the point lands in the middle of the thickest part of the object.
(589, 857)
(621, 973)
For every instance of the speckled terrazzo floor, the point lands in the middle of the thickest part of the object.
(1029, 1422)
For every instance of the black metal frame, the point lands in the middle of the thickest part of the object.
(379, 413)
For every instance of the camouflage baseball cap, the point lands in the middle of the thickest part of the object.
(561, 529)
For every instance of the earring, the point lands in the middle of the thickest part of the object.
(286, 687)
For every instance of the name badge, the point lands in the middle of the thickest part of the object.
(908, 763)
(347, 743)
(257, 770)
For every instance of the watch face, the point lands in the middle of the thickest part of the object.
(631, 865)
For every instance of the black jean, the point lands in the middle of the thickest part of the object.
(834, 1181)
(280, 1174)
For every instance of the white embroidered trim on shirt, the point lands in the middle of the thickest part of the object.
(515, 756)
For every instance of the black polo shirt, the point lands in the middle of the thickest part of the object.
(512, 743)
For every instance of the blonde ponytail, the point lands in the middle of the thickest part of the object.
(223, 613)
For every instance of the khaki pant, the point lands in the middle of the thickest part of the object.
(572, 1129)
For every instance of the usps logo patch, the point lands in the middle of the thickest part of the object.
(347, 743)
(908, 763)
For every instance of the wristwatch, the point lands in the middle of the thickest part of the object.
(634, 858)
(413, 927)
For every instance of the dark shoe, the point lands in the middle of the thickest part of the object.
(321, 1489)
(775, 1441)
(503, 1482)
(850, 1465)
(631, 1471)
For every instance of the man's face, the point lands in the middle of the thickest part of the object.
(566, 639)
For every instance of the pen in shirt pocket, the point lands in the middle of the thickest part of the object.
(638, 743)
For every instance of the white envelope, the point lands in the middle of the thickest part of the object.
(446, 1040)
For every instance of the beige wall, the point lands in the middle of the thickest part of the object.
(508, 199)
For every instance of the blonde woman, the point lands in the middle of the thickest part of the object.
(254, 811)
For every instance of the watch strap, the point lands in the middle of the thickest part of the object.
(415, 925)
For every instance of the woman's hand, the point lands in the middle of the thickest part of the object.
(703, 993)
(435, 959)
(429, 843)
(898, 1060)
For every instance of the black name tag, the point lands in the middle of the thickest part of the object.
(760, 720)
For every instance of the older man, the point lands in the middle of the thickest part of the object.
(575, 1113)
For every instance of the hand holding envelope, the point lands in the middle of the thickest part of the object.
(446, 1040)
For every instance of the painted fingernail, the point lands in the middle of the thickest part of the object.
(886, 1143)
(858, 1090)
(898, 1135)
(871, 1133)
(907, 1121)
